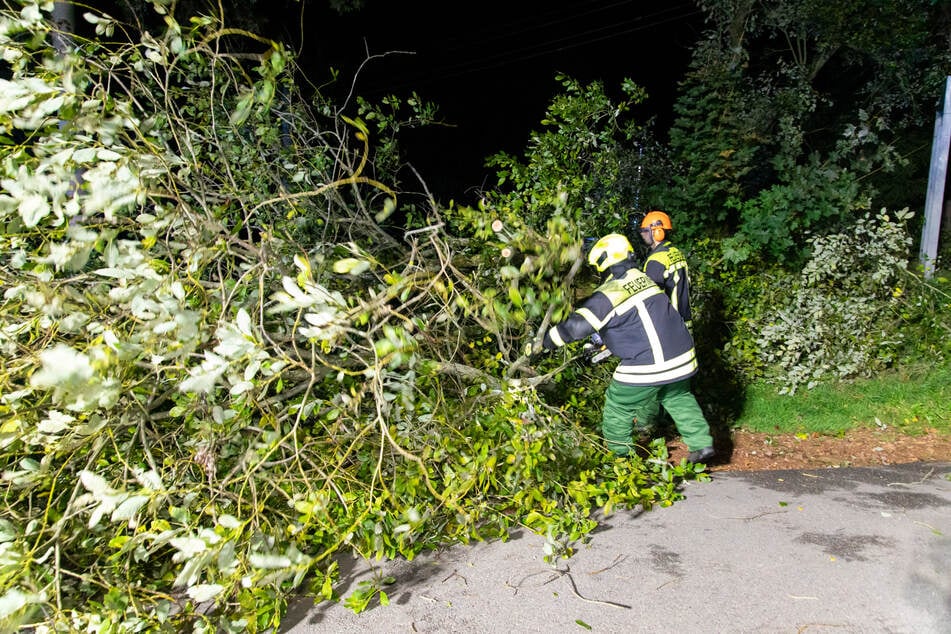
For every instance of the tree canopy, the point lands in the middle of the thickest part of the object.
(796, 117)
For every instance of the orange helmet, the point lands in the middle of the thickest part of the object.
(658, 223)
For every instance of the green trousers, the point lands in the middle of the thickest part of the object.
(630, 406)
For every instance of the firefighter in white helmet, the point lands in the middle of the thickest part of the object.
(638, 324)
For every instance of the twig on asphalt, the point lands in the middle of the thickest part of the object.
(455, 573)
(616, 561)
(574, 589)
(750, 517)
(667, 583)
(929, 526)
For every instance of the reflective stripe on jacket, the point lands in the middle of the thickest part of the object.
(638, 324)
(667, 266)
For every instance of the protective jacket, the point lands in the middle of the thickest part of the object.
(637, 323)
(667, 266)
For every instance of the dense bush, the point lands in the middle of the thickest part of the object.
(855, 308)
(833, 321)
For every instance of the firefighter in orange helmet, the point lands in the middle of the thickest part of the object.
(665, 264)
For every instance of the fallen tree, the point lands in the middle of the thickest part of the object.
(222, 368)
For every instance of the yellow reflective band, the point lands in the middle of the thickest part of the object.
(667, 372)
(634, 300)
(591, 319)
(688, 358)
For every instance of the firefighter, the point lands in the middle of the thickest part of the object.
(638, 324)
(665, 264)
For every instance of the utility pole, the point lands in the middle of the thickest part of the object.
(64, 20)
(937, 176)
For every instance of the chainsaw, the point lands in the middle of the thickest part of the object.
(594, 351)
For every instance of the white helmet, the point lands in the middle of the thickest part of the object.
(608, 251)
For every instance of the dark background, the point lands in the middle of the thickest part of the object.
(491, 67)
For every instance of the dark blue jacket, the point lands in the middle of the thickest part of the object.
(637, 323)
(667, 266)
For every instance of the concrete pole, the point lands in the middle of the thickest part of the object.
(934, 201)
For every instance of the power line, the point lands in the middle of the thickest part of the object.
(557, 45)
(530, 22)
(586, 38)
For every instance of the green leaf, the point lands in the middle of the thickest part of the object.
(509, 272)
(265, 92)
(204, 592)
(389, 206)
(268, 562)
(33, 208)
(327, 588)
(243, 109)
(13, 601)
(515, 297)
(128, 508)
(353, 266)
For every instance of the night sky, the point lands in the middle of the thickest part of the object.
(491, 68)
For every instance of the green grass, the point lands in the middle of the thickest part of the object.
(910, 400)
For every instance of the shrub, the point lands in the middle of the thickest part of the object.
(841, 318)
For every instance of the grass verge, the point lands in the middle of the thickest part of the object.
(910, 399)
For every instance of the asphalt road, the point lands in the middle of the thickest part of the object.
(854, 550)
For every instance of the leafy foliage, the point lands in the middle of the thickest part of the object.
(232, 353)
(791, 115)
(221, 370)
(582, 164)
(715, 144)
(848, 312)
